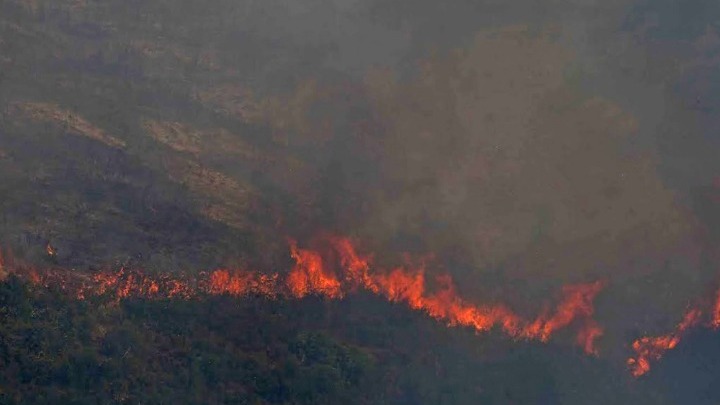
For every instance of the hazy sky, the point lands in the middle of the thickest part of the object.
(524, 144)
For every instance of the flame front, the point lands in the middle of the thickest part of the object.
(652, 348)
(310, 275)
(715, 322)
(343, 270)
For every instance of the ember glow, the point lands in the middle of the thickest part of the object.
(715, 322)
(652, 348)
(333, 275)
(587, 336)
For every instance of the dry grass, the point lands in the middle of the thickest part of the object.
(71, 121)
(184, 138)
(223, 199)
(232, 99)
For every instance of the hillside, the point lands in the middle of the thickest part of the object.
(359, 201)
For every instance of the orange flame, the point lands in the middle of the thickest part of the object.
(577, 303)
(409, 286)
(357, 268)
(222, 282)
(238, 283)
(715, 321)
(344, 270)
(332, 276)
(588, 335)
(652, 348)
(310, 275)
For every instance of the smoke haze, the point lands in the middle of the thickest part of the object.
(516, 146)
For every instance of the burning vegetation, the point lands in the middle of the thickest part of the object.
(652, 348)
(334, 275)
(339, 269)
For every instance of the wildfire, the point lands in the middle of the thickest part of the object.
(588, 335)
(50, 249)
(239, 283)
(715, 322)
(652, 348)
(310, 275)
(334, 273)
(338, 269)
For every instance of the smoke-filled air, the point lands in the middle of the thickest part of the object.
(359, 201)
